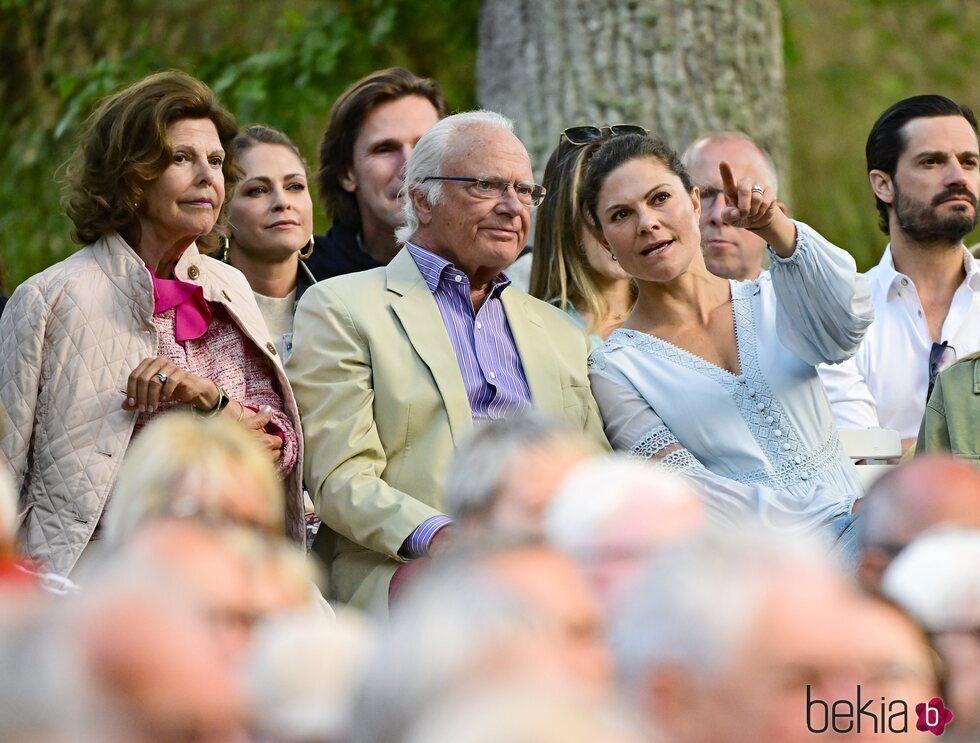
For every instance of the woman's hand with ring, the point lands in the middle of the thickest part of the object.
(753, 206)
(157, 379)
(750, 205)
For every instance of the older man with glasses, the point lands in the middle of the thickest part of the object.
(399, 363)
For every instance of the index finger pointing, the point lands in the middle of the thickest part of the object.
(728, 181)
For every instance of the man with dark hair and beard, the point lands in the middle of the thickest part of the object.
(924, 168)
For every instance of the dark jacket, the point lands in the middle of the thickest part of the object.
(337, 254)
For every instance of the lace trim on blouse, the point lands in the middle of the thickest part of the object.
(661, 445)
(764, 415)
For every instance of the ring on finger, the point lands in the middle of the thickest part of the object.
(758, 189)
(161, 376)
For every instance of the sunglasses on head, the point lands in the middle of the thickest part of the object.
(941, 355)
(582, 135)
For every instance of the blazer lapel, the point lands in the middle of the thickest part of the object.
(417, 311)
(534, 348)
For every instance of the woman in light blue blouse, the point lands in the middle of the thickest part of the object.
(713, 377)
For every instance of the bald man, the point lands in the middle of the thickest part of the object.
(916, 496)
(729, 252)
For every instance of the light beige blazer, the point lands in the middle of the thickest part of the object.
(383, 406)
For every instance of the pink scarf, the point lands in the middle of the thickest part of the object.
(193, 316)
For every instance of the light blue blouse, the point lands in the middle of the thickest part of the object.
(763, 440)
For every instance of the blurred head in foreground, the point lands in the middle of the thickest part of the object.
(504, 475)
(508, 614)
(183, 465)
(611, 513)
(937, 579)
(910, 499)
(726, 634)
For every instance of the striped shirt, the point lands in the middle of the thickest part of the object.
(491, 368)
(485, 349)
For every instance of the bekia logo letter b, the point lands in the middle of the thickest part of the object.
(933, 716)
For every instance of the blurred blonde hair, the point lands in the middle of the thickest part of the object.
(560, 271)
(181, 464)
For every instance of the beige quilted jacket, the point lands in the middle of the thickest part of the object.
(69, 338)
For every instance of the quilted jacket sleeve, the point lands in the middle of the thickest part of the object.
(22, 330)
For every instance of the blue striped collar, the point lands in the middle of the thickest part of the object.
(434, 269)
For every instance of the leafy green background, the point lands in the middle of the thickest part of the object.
(283, 63)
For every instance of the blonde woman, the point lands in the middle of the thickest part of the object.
(210, 469)
(271, 223)
(571, 269)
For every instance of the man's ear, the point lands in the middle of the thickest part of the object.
(347, 180)
(423, 209)
(882, 185)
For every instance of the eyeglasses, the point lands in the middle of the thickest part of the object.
(529, 194)
(709, 194)
(941, 355)
(582, 135)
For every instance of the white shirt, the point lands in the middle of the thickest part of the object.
(278, 315)
(885, 383)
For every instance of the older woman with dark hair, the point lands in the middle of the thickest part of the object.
(138, 321)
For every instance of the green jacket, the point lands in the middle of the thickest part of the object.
(952, 418)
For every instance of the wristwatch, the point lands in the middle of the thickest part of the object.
(222, 403)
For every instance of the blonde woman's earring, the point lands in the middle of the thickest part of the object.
(307, 250)
(225, 244)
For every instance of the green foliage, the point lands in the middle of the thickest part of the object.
(283, 63)
(846, 62)
(280, 64)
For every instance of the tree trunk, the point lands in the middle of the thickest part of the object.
(678, 67)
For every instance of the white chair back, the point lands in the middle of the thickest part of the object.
(873, 447)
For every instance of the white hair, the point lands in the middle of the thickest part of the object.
(937, 579)
(597, 489)
(451, 618)
(427, 158)
(697, 599)
(484, 459)
(522, 712)
(302, 671)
